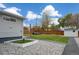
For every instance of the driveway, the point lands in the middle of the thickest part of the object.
(71, 48)
(39, 48)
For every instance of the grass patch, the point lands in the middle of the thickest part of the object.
(55, 38)
(22, 41)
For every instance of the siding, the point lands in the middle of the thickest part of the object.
(10, 29)
(70, 33)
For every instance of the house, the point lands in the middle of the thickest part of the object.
(72, 31)
(69, 32)
(11, 26)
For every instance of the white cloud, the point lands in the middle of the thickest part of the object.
(25, 25)
(2, 5)
(13, 10)
(50, 10)
(54, 21)
(31, 15)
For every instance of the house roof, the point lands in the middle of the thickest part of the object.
(11, 14)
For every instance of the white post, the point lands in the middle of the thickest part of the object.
(30, 30)
(22, 30)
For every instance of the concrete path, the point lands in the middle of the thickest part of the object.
(71, 48)
(77, 41)
(39, 48)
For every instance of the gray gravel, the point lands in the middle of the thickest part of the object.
(40, 48)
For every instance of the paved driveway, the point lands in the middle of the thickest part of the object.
(40, 48)
(71, 48)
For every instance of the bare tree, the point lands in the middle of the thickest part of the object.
(45, 21)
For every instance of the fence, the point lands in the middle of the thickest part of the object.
(51, 31)
(45, 31)
(57, 32)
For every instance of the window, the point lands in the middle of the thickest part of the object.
(73, 30)
(9, 19)
(6, 18)
(14, 20)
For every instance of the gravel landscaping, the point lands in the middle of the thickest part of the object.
(39, 48)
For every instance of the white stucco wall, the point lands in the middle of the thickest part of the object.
(70, 33)
(10, 29)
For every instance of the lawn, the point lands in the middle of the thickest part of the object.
(22, 41)
(55, 38)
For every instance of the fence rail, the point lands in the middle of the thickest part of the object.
(41, 31)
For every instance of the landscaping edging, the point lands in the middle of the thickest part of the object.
(22, 45)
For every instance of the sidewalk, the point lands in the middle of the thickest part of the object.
(77, 41)
(71, 48)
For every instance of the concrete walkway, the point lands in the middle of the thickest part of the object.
(39, 48)
(71, 48)
(77, 41)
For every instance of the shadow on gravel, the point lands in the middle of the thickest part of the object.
(71, 48)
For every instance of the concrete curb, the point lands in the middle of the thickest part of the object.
(22, 45)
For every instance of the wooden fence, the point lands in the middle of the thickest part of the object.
(44, 31)
(57, 32)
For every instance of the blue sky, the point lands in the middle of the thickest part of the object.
(63, 8)
(37, 8)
